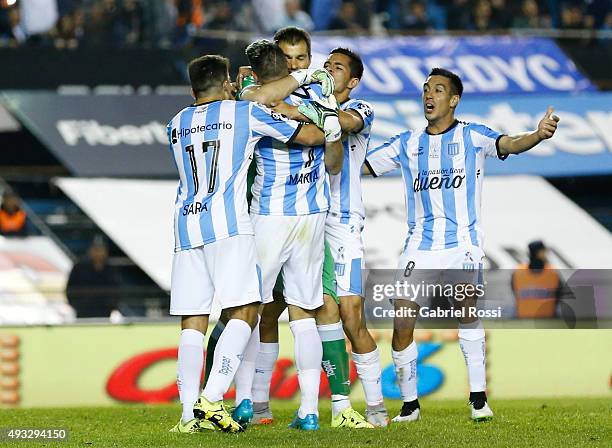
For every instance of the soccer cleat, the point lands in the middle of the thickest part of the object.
(215, 414)
(413, 416)
(411, 412)
(377, 416)
(243, 413)
(481, 411)
(262, 414)
(350, 418)
(190, 427)
(308, 423)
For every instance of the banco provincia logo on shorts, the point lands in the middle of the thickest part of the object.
(185, 132)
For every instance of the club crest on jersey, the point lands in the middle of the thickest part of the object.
(469, 267)
(340, 269)
(452, 149)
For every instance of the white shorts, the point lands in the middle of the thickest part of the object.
(226, 269)
(458, 265)
(346, 247)
(293, 245)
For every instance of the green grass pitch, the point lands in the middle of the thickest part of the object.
(518, 423)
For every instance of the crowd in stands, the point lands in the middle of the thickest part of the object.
(166, 23)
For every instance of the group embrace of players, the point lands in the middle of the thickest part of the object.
(303, 143)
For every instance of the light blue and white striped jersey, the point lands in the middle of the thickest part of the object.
(290, 182)
(212, 145)
(346, 204)
(442, 176)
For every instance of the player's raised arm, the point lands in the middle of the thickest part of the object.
(272, 73)
(289, 111)
(276, 91)
(350, 121)
(515, 144)
(309, 135)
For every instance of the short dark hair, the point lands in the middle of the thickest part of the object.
(267, 59)
(356, 64)
(293, 36)
(207, 72)
(456, 84)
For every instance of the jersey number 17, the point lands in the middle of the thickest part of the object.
(213, 145)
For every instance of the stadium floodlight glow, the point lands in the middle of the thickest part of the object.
(10, 2)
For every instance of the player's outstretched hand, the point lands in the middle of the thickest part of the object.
(548, 125)
(324, 114)
(315, 75)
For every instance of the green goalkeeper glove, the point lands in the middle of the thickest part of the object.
(316, 75)
(324, 114)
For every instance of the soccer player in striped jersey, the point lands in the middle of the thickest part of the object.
(212, 142)
(442, 168)
(295, 44)
(290, 202)
(345, 222)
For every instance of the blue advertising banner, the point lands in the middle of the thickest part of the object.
(487, 64)
(125, 135)
(581, 146)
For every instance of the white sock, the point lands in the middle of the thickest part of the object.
(244, 376)
(189, 370)
(339, 403)
(264, 366)
(472, 343)
(308, 357)
(228, 355)
(368, 369)
(406, 371)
